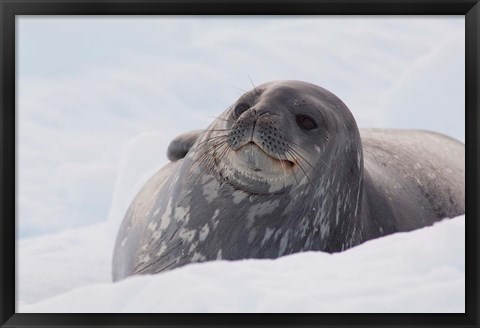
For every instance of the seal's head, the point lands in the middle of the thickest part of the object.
(275, 135)
(279, 172)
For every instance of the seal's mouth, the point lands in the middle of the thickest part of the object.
(252, 169)
(257, 159)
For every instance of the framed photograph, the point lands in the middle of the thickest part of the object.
(250, 164)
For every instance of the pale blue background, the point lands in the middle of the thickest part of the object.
(100, 97)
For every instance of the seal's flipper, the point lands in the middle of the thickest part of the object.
(179, 147)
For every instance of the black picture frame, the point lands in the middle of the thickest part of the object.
(10, 8)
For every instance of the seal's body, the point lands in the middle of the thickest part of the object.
(283, 170)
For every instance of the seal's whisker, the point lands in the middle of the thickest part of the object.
(216, 135)
(213, 150)
(321, 160)
(201, 159)
(293, 172)
(226, 149)
(283, 158)
(284, 173)
(253, 84)
(299, 146)
(218, 130)
(213, 138)
(221, 119)
(213, 130)
(303, 170)
(208, 147)
(206, 141)
(224, 152)
(301, 157)
(237, 88)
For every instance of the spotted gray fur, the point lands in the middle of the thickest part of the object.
(255, 184)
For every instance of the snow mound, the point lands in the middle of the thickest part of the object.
(53, 264)
(418, 271)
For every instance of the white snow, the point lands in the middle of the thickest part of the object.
(56, 263)
(418, 271)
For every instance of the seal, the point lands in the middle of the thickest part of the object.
(285, 169)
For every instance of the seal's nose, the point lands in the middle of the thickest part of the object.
(261, 112)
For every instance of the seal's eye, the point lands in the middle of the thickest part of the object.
(241, 108)
(306, 122)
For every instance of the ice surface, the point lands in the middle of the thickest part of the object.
(418, 271)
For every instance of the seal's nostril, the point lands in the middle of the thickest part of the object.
(261, 112)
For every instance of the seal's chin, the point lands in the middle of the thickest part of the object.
(253, 158)
(251, 169)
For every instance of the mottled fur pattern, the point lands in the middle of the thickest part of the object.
(284, 170)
